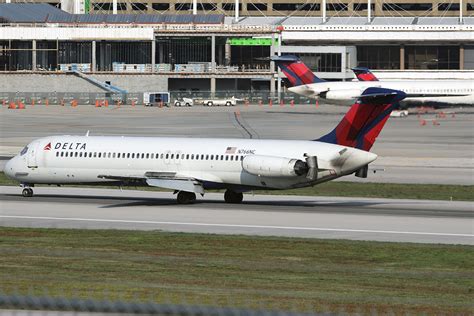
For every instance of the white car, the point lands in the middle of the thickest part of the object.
(399, 113)
(226, 102)
(184, 102)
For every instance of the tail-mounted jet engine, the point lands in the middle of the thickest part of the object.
(270, 166)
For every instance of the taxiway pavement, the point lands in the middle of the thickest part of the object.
(293, 216)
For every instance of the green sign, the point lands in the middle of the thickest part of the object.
(87, 6)
(241, 41)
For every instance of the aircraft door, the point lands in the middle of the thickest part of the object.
(32, 155)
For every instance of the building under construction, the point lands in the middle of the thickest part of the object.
(215, 52)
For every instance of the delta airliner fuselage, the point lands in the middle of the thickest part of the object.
(216, 162)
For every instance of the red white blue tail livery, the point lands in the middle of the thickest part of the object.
(364, 74)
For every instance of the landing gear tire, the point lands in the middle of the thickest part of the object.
(233, 197)
(186, 197)
(27, 192)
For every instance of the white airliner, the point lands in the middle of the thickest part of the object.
(192, 165)
(418, 92)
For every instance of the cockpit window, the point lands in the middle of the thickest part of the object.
(24, 151)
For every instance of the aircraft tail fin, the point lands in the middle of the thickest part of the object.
(364, 74)
(295, 70)
(365, 119)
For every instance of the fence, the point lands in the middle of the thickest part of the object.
(47, 303)
(136, 98)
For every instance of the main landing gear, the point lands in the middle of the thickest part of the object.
(186, 197)
(27, 192)
(230, 196)
(233, 197)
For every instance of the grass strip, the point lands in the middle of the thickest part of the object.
(240, 271)
(357, 189)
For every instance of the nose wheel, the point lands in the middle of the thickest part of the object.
(27, 192)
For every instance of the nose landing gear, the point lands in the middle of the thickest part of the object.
(27, 192)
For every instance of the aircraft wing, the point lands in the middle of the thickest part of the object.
(167, 180)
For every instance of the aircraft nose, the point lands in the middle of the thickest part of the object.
(9, 169)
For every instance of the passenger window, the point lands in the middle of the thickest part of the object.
(90, 155)
(100, 155)
(187, 156)
(95, 154)
(147, 156)
(222, 157)
(226, 158)
(143, 155)
(57, 153)
(62, 154)
(110, 154)
(241, 158)
(76, 154)
(212, 157)
(162, 155)
(207, 157)
(202, 157)
(167, 156)
(232, 158)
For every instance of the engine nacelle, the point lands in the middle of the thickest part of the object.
(341, 95)
(270, 166)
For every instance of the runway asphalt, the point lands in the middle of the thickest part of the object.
(316, 217)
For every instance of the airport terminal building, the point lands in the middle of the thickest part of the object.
(210, 46)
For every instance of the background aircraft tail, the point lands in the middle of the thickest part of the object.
(365, 119)
(295, 70)
(364, 74)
